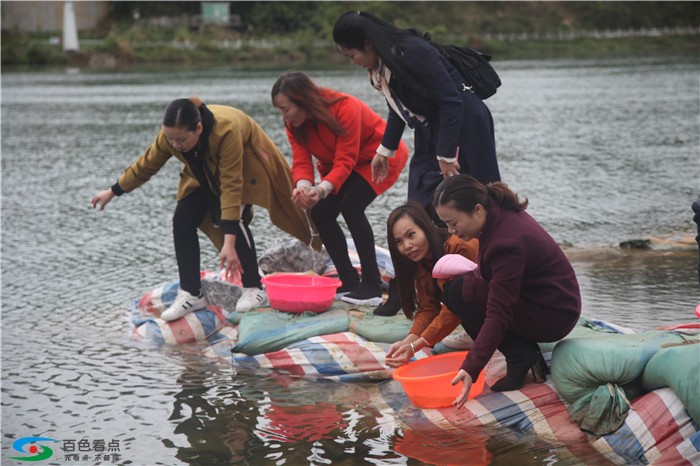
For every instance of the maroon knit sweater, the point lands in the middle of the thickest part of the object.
(526, 271)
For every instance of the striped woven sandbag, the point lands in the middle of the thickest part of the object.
(339, 356)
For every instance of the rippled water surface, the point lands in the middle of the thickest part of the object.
(605, 151)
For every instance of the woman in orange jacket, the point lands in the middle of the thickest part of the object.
(342, 133)
(416, 244)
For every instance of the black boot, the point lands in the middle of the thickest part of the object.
(392, 305)
(521, 356)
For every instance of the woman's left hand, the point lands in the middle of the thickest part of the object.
(466, 380)
(229, 259)
(312, 197)
(449, 169)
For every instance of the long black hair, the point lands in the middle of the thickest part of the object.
(404, 268)
(353, 28)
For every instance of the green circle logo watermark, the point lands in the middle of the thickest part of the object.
(38, 452)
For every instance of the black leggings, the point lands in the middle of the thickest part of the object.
(189, 214)
(351, 200)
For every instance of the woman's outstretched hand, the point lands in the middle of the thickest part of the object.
(466, 380)
(380, 168)
(102, 198)
(229, 259)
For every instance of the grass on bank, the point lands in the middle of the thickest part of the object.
(133, 46)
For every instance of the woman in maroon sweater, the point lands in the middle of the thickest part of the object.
(524, 291)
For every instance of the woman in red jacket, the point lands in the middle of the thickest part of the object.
(523, 292)
(342, 133)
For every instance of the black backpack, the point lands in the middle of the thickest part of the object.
(480, 77)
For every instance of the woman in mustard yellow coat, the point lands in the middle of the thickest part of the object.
(229, 165)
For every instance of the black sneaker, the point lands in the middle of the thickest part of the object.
(345, 289)
(364, 295)
(392, 305)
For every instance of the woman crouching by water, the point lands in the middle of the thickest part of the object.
(524, 291)
(416, 244)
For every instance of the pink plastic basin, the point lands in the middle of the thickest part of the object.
(427, 381)
(290, 292)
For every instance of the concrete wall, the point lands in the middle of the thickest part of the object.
(30, 16)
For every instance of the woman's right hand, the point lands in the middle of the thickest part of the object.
(229, 259)
(102, 198)
(394, 348)
(466, 380)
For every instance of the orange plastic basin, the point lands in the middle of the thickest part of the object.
(427, 381)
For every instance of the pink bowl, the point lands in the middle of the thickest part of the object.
(290, 292)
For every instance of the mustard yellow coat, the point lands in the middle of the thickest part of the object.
(247, 165)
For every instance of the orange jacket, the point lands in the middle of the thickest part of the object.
(336, 156)
(432, 320)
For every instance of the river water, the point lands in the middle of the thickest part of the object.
(606, 151)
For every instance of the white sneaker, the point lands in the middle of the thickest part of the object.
(183, 305)
(252, 298)
(461, 341)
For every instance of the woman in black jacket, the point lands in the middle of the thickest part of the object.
(453, 127)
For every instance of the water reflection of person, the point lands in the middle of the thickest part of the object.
(416, 244)
(213, 430)
(342, 133)
(525, 290)
(229, 165)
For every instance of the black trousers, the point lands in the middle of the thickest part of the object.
(351, 200)
(189, 214)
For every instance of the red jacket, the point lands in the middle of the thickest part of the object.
(336, 157)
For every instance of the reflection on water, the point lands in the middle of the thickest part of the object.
(601, 158)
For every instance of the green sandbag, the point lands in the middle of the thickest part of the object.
(269, 330)
(584, 328)
(677, 367)
(598, 375)
(380, 329)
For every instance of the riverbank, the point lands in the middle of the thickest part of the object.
(127, 48)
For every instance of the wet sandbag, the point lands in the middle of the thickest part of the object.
(198, 326)
(598, 376)
(677, 367)
(586, 327)
(378, 328)
(269, 330)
